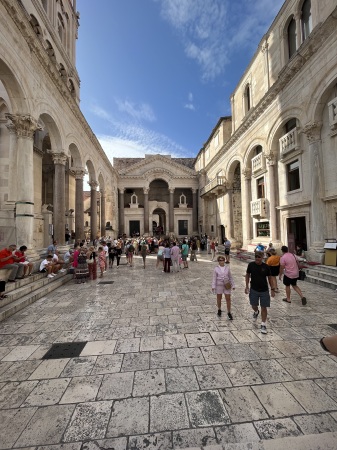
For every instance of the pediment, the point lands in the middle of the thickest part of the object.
(157, 164)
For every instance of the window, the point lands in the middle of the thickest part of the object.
(306, 21)
(258, 150)
(212, 228)
(293, 174)
(216, 140)
(262, 229)
(290, 125)
(260, 188)
(247, 99)
(291, 38)
(61, 28)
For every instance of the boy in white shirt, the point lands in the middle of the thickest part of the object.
(48, 266)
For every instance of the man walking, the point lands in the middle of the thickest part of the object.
(289, 270)
(258, 273)
(227, 245)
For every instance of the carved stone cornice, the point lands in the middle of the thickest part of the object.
(58, 157)
(23, 125)
(38, 151)
(312, 131)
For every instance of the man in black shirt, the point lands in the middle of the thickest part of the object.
(258, 272)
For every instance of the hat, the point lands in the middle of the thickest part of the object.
(259, 254)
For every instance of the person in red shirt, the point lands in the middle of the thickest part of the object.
(27, 266)
(9, 261)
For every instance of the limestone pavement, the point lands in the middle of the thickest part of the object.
(161, 370)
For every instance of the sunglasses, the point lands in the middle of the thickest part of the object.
(258, 257)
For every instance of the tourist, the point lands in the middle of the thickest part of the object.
(48, 266)
(227, 244)
(257, 274)
(194, 248)
(144, 250)
(2, 289)
(160, 256)
(118, 252)
(52, 248)
(106, 251)
(167, 258)
(101, 260)
(290, 271)
(92, 263)
(82, 270)
(329, 344)
(223, 283)
(9, 261)
(212, 247)
(184, 254)
(175, 255)
(274, 263)
(27, 266)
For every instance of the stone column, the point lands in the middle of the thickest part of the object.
(121, 212)
(230, 229)
(195, 211)
(12, 169)
(317, 213)
(297, 18)
(24, 127)
(59, 201)
(247, 198)
(146, 210)
(103, 218)
(272, 200)
(47, 221)
(93, 209)
(171, 211)
(79, 203)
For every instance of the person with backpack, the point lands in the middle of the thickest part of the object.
(144, 250)
(130, 251)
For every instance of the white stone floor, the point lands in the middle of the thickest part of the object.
(161, 370)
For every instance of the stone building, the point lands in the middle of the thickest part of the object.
(157, 193)
(46, 145)
(268, 172)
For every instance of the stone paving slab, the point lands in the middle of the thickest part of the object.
(161, 370)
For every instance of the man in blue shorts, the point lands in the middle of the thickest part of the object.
(258, 272)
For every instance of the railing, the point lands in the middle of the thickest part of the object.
(258, 163)
(289, 142)
(217, 181)
(258, 207)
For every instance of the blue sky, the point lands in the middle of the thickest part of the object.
(156, 75)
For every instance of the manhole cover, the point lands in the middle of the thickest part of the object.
(65, 350)
(105, 282)
(333, 325)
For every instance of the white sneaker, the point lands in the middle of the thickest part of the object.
(62, 270)
(50, 276)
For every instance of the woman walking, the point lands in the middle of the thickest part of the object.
(92, 263)
(101, 260)
(223, 283)
(274, 262)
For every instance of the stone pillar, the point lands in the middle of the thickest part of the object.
(121, 212)
(205, 223)
(79, 203)
(12, 169)
(93, 209)
(195, 211)
(103, 218)
(318, 219)
(171, 211)
(247, 198)
(24, 127)
(146, 210)
(272, 200)
(297, 18)
(47, 221)
(230, 229)
(59, 201)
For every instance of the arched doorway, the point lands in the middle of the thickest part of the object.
(158, 222)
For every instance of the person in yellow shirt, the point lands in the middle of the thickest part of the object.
(274, 262)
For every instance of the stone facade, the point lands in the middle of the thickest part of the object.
(283, 139)
(46, 145)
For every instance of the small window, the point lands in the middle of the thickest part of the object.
(293, 174)
(306, 20)
(212, 228)
(290, 125)
(258, 150)
(260, 188)
(292, 47)
(247, 99)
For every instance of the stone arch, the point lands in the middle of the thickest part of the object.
(323, 91)
(249, 154)
(17, 94)
(277, 130)
(154, 174)
(53, 129)
(75, 156)
(91, 170)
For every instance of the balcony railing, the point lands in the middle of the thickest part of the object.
(333, 115)
(218, 183)
(289, 142)
(258, 163)
(258, 207)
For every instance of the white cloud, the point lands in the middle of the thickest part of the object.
(190, 104)
(212, 31)
(132, 140)
(137, 112)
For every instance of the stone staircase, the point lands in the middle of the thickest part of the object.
(26, 291)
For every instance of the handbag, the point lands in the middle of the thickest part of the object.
(228, 285)
(301, 275)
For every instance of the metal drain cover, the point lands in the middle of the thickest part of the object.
(65, 350)
(105, 282)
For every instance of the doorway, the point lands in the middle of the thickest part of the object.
(297, 233)
(134, 227)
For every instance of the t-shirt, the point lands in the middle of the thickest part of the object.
(273, 260)
(184, 249)
(258, 276)
(4, 254)
(289, 262)
(227, 244)
(43, 264)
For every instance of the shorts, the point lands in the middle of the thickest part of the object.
(274, 270)
(43, 270)
(226, 251)
(160, 257)
(184, 257)
(255, 296)
(289, 281)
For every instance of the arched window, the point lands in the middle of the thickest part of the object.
(258, 150)
(61, 28)
(291, 33)
(35, 25)
(290, 125)
(62, 71)
(51, 51)
(72, 88)
(306, 21)
(247, 99)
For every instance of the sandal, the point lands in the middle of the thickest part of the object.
(285, 300)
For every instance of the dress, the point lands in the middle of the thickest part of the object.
(81, 271)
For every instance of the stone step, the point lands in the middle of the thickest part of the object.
(328, 283)
(327, 269)
(319, 273)
(30, 292)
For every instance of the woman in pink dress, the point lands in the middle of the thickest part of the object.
(223, 283)
(101, 260)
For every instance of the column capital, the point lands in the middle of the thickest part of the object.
(146, 190)
(194, 191)
(171, 190)
(23, 125)
(58, 157)
(102, 191)
(312, 130)
(247, 173)
(264, 47)
(93, 184)
(78, 172)
(121, 190)
(270, 157)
